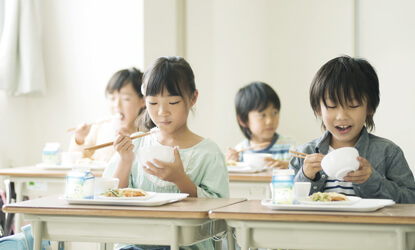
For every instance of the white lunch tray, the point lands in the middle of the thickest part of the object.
(157, 200)
(364, 205)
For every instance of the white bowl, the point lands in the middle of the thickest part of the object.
(159, 152)
(69, 158)
(103, 184)
(256, 160)
(339, 162)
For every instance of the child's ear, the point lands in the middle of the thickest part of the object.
(241, 122)
(194, 98)
(318, 111)
(142, 102)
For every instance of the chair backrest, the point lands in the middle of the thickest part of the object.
(2, 214)
(22, 241)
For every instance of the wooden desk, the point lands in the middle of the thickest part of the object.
(392, 227)
(250, 185)
(182, 223)
(53, 182)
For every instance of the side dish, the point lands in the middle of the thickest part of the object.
(125, 192)
(231, 163)
(328, 197)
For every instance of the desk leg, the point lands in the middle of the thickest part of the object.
(37, 234)
(245, 238)
(19, 197)
(175, 238)
(231, 239)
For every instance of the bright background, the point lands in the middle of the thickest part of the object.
(229, 43)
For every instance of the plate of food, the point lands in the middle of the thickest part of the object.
(126, 194)
(329, 199)
(242, 167)
(84, 162)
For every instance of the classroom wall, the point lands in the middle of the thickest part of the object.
(84, 43)
(229, 44)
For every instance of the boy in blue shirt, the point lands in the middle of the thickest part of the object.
(258, 113)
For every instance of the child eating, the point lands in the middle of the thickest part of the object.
(345, 94)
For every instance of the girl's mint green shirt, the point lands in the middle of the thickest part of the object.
(204, 163)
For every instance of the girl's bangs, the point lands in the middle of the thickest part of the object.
(164, 80)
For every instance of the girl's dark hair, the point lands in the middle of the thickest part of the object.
(124, 77)
(254, 96)
(343, 79)
(170, 73)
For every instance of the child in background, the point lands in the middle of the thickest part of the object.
(123, 92)
(345, 94)
(199, 168)
(258, 113)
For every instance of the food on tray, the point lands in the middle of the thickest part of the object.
(84, 161)
(125, 192)
(328, 197)
(231, 163)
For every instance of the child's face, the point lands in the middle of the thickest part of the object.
(127, 103)
(263, 124)
(169, 113)
(344, 123)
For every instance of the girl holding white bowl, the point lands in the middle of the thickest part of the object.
(198, 167)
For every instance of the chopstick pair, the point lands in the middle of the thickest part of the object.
(255, 146)
(104, 145)
(98, 122)
(298, 154)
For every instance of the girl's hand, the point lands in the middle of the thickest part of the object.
(312, 165)
(81, 132)
(167, 171)
(231, 154)
(124, 146)
(272, 163)
(362, 174)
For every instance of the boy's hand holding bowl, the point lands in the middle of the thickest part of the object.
(256, 160)
(338, 163)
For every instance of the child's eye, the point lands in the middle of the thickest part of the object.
(174, 103)
(331, 107)
(354, 106)
(152, 103)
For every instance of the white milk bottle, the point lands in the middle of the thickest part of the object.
(282, 186)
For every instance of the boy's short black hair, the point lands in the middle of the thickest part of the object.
(342, 79)
(254, 96)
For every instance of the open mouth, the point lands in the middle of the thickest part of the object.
(343, 129)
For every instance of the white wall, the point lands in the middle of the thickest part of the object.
(387, 39)
(283, 43)
(84, 43)
(229, 44)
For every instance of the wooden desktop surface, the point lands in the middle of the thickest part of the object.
(187, 208)
(33, 171)
(253, 210)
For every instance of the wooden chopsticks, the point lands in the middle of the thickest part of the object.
(298, 154)
(255, 146)
(111, 143)
(97, 122)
